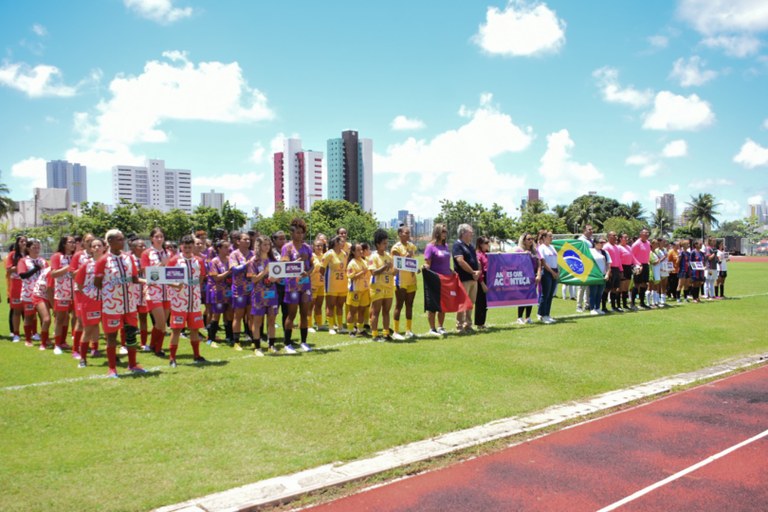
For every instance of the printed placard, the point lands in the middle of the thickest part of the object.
(283, 269)
(406, 264)
(166, 275)
(697, 265)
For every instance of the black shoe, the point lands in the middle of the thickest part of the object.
(160, 353)
(172, 363)
(200, 360)
(605, 311)
(618, 310)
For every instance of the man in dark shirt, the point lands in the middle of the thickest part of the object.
(466, 266)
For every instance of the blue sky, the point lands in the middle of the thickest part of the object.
(477, 100)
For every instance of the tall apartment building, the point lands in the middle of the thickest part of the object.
(350, 169)
(667, 203)
(71, 176)
(298, 176)
(153, 186)
(212, 199)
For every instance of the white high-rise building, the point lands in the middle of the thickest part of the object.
(298, 176)
(213, 199)
(153, 186)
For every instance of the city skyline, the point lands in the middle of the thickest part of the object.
(632, 101)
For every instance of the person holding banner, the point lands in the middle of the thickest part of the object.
(437, 258)
(405, 284)
(156, 295)
(382, 285)
(697, 270)
(549, 276)
(527, 244)
(465, 264)
(264, 294)
(481, 303)
(333, 266)
(298, 290)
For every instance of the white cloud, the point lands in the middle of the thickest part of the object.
(650, 170)
(608, 81)
(241, 201)
(713, 16)
(402, 123)
(638, 159)
(658, 41)
(32, 169)
(628, 197)
(731, 209)
(735, 46)
(443, 164)
(228, 181)
(675, 149)
(765, 124)
(257, 156)
(176, 89)
(690, 73)
(710, 184)
(39, 81)
(564, 177)
(758, 199)
(39, 30)
(674, 112)
(752, 155)
(159, 11)
(523, 29)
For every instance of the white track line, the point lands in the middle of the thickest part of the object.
(684, 472)
(363, 341)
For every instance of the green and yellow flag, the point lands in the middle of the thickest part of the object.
(577, 266)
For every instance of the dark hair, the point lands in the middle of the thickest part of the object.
(220, 243)
(402, 228)
(187, 239)
(335, 240)
(483, 240)
(379, 236)
(262, 239)
(234, 236)
(156, 230)
(276, 235)
(297, 223)
(63, 243)
(353, 250)
(364, 246)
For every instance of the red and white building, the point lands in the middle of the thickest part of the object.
(298, 176)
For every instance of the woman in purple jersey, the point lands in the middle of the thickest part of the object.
(264, 294)
(220, 292)
(241, 287)
(298, 290)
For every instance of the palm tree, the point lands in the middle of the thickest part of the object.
(536, 207)
(634, 210)
(7, 205)
(661, 223)
(703, 212)
(560, 210)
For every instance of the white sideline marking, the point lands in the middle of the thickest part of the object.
(684, 472)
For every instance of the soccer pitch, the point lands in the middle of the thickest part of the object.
(73, 440)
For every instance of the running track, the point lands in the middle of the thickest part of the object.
(661, 449)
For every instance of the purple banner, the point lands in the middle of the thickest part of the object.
(511, 280)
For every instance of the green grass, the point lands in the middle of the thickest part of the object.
(138, 443)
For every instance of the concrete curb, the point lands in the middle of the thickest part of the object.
(286, 488)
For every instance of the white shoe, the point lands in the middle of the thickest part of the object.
(441, 331)
(289, 349)
(312, 330)
(528, 321)
(258, 353)
(594, 312)
(35, 337)
(434, 334)
(520, 321)
(343, 331)
(16, 338)
(123, 351)
(332, 331)
(579, 310)
(538, 317)
(57, 350)
(306, 348)
(409, 334)
(397, 336)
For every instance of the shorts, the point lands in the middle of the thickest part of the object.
(264, 302)
(90, 311)
(16, 304)
(656, 274)
(63, 305)
(218, 307)
(359, 299)
(29, 308)
(319, 291)
(626, 272)
(297, 296)
(240, 301)
(381, 292)
(615, 280)
(182, 319)
(142, 309)
(409, 288)
(113, 323)
(341, 293)
(723, 274)
(40, 300)
(15, 291)
(151, 304)
(642, 277)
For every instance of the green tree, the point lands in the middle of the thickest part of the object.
(535, 207)
(129, 218)
(7, 205)
(326, 216)
(94, 218)
(661, 224)
(232, 218)
(633, 210)
(176, 223)
(591, 209)
(461, 212)
(703, 212)
(495, 222)
(206, 218)
(281, 221)
(533, 222)
(623, 225)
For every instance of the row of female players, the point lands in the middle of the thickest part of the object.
(357, 286)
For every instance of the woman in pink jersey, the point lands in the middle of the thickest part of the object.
(80, 258)
(29, 269)
(138, 247)
(156, 295)
(90, 298)
(627, 263)
(42, 296)
(63, 291)
(14, 284)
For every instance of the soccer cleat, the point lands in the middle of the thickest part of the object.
(272, 350)
(123, 351)
(409, 334)
(160, 353)
(435, 334)
(64, 346)
(29, 344)
(213, 344)
(528, 320)
(16, 338)
(238, 347)
(82, 364)
(36, 337)
(594, 312)
(332, 331)
(520, 321)
(306, 348)
(95, 353)
(172, 363)
(57, 350)
(146, 348)
(200, 360)
(289, 349)
(76, 355)
(112, 374)
(258, 353)
(397, 336)
(441, 330)
(312, 329)
(579, 310)
(378, 339)
(388, 338)
(42, 346)
(343, 331)
(136, 369)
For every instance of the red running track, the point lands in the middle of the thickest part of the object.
(599, 463)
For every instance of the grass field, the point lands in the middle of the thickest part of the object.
(71, 440)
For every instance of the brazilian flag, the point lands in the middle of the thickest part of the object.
(577, 266)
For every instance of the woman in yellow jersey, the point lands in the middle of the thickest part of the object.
(405, 284)
(382, 285)
(358, 297)
(334, 265)
(317, 278)
(346, 246)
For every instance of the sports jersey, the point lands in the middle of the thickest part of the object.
(264, 293)
(291, 253)
(63, 287)
(317, 277)
(407, 250)
(614, 253)
(85, 279)
(28, 283)
(137, 289)
(188, 298)
(40, 290)
(219, 291)
(117, 272)
(154, 258)
(625, 253)
(674, 262)
(361, 283)
(641, 251)
(335, 277)
(384, 280)
(241, 287)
